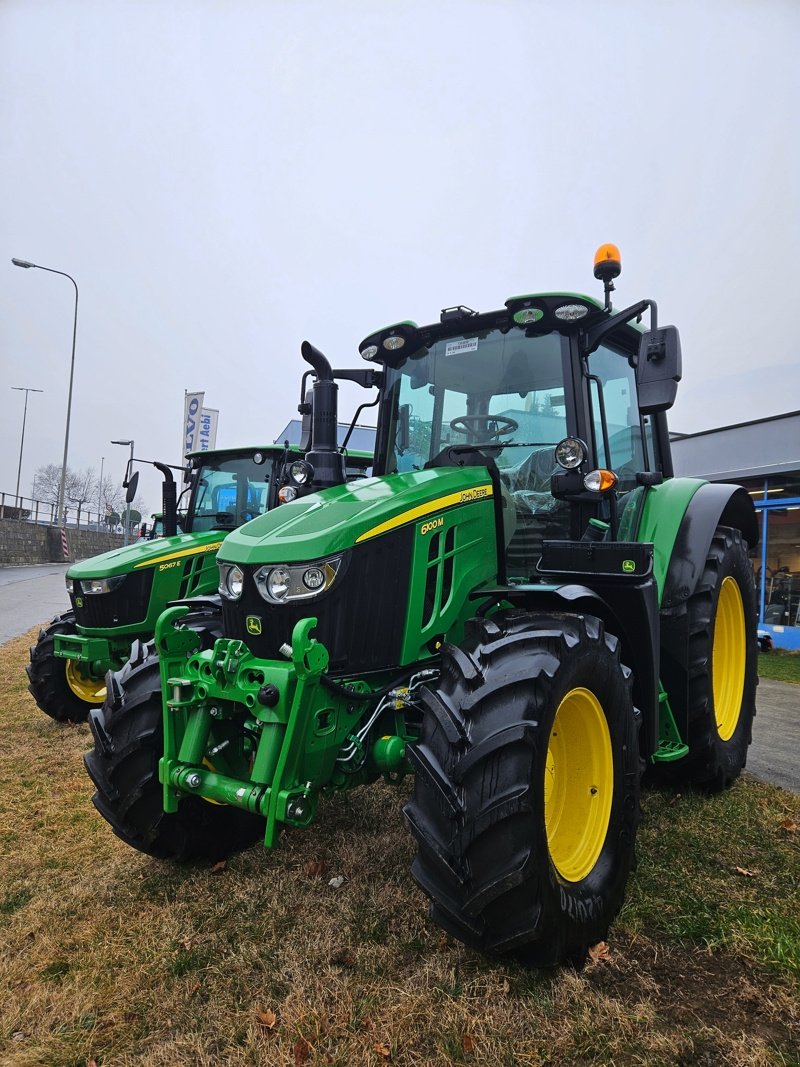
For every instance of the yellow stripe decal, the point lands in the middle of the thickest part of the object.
(179, 555)
(466, 496)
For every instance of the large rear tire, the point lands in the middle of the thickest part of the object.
(526, 800)
(129, 742)
(62, 688)
(722, 668)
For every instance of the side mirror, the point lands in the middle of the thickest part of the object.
(658, 369)
(133, 484)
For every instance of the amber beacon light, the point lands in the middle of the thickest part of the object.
(607, 266)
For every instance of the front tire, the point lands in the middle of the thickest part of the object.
(129, 742)
(62, 688)
(526, 800)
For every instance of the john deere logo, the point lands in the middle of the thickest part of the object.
(628, 566)
(253, 623)
(78, 601)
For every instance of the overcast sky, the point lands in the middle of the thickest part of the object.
(226, 179)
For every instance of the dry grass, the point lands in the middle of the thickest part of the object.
(108, 956)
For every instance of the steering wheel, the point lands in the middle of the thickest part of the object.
(493, 426)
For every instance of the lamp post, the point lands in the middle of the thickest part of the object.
(22, 389)
(27, 265)
(100, 513)
(126, 532)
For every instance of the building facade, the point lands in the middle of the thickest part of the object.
(764, 457)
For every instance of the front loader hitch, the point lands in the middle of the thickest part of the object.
(275, 704)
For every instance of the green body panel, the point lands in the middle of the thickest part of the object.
(453, 554)
(338, 518)
(664, 508)
(142, 554)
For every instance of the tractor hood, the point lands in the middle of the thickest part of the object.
(338, 518)
(143, 554)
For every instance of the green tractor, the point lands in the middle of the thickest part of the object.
(523, 608)
(117, 597)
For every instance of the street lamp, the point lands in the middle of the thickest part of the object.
(27, 265)
(128, 507)
(22, 389)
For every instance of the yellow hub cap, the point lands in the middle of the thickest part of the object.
(728, 658)
(90, 690)
(578, 785)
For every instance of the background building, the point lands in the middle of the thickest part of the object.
(764, 457)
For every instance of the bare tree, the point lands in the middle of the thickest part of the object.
(82, 487)
(46, 482)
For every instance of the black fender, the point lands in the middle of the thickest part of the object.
(629, 610)
(714, 504)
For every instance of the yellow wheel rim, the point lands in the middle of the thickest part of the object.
(728, 658)
(578, 785)
(89, 690)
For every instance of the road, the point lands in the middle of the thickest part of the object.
(31, 595)
(774, 755)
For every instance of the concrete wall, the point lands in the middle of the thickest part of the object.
(24, 543)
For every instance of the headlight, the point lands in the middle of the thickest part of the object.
(570, 453)
(287, 493)
(231, 581)
(283, 583)
(571, 312)
(94, 586)
(70, 586)
(301, 472)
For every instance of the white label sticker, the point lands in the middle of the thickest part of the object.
(455, 348)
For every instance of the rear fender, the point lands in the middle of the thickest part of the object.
(711, 506)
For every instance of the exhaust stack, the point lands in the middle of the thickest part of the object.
(324, 455)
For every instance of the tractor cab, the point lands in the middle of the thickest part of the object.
(544, 394)
(230, 487)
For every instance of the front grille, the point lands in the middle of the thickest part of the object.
(360, 620)
(123, 607)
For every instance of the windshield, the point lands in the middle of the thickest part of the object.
(503, 392)
(501, 389)
(229, 492)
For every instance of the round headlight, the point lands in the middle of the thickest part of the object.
(313, 578)
(570, 453)
(258, 457)
(234, 583)
(370, 352)
(287, 493)
(394, 342)
(571, 312)
(278, 582)
(300, 472)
